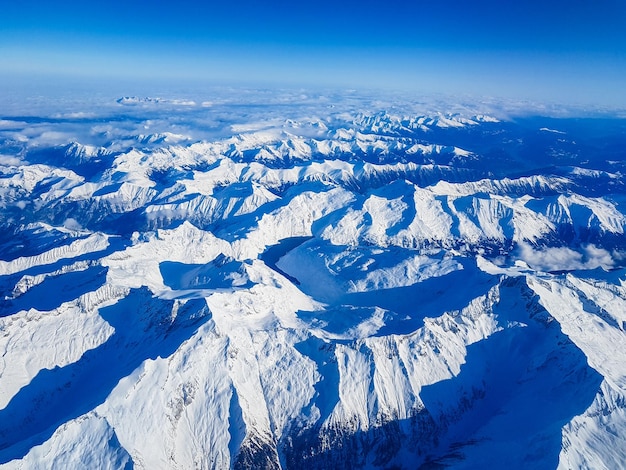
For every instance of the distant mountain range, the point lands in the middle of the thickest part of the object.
(222, 286)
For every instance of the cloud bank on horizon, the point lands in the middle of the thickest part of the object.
(567, 51)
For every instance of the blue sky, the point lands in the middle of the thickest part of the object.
(564, 50)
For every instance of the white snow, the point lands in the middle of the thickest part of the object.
(301, 285)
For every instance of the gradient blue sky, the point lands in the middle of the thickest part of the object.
(572, 51)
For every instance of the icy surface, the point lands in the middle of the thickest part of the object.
(258, 280)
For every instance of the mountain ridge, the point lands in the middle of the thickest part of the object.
(346, 292)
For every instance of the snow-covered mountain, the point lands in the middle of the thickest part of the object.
(330, 285)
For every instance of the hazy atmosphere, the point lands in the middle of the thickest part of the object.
(567, 51)
(357, 235)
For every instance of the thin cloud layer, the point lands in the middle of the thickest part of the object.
(590, 256)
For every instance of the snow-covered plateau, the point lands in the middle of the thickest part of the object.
(262, 281)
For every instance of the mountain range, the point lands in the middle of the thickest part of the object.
(337, 285)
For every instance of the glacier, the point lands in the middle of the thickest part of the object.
(272, 280)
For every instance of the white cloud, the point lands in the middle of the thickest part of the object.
(53, 137)
(7, 124)
(74, 115)
(72, 224)
(10, 160)
(589, 256)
